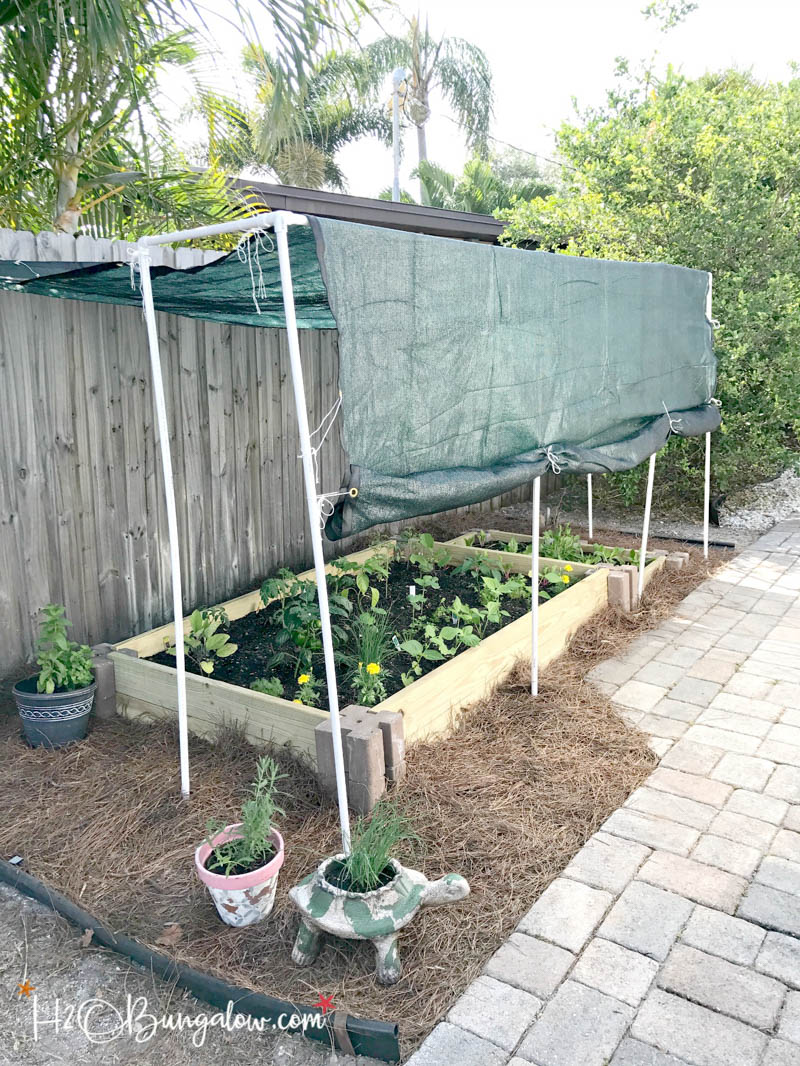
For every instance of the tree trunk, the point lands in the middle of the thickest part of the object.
(67, 170)
(422, 154)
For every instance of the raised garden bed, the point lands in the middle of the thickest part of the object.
(430, 704)
(500, 544)
(507, 799)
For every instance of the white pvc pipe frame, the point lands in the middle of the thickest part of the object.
(279, 221)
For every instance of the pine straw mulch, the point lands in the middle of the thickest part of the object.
(506, 800)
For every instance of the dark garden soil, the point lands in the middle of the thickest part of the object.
(255, 634)
(506, 801)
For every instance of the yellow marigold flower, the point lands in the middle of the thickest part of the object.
(303, 679)
(298, 701)
(565, 579)
(373, 668)
(568, 568)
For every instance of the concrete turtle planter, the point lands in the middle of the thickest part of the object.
(377, 916)
(241, 899)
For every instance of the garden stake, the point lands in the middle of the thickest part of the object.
(280, 227)
(646, 524)
(172, 518)
(589, 502)
(279, 221)
(707, 495)
(535, 590)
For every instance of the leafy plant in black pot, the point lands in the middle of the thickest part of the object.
(54, 705)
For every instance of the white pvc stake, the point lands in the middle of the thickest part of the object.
(312, 502)
(535, 590)
(707, 496)
(646, 525)
(589, 500)
(172, 517)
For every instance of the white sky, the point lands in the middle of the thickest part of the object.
(543, 54)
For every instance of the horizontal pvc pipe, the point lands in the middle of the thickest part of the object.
(370, 1038)
(239, 225)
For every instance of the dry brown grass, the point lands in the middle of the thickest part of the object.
(506, 801)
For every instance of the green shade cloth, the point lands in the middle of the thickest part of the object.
(221, 291)
(465, 369)
(468, 369)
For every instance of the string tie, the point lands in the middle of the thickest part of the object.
(553, 459)
(248, 251)
(673, 422)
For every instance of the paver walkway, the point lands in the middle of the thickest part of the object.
(673, 936)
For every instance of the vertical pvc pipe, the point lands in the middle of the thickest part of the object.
(589, 501)
(707, 496)
(312, 503)
(646, 525)
(535, 589)
(160, 405)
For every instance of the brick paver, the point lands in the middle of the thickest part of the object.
(673, 936)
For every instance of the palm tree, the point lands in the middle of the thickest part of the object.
(79, 90)
(458, 69)
(484, 187)
(325, 116)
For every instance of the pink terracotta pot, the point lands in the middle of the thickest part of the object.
(241, 899)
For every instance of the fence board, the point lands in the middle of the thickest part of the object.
(82, 515)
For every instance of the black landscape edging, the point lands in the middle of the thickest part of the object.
(370, 1038)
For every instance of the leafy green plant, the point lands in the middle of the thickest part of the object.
(437, 645)
(515, 586)
(269, 686)
(205, 642)
(349, 574)
(297, 619)
(418, 600)
(421, 551)
(367, 682)
(561, 543)
(552, 581)
(308, 690)
(478, 565)
(63, 663)
(478, 618)
(254, 847)
(373, 839)
(369, 649)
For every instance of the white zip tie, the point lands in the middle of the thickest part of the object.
(673, 422)
(553, 459)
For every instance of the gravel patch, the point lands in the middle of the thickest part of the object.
(757, 509)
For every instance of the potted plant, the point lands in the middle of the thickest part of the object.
(54, 705)
(239, 863)
(367, 894)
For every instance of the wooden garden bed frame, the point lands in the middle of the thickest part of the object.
(525, 538)
(430, 706)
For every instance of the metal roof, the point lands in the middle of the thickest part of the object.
(460, 224)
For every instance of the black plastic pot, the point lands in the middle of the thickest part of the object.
(53, 719)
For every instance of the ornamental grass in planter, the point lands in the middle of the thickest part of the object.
(367, 894)
(54, 705)
(239, 863)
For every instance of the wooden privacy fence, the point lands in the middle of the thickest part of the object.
(82, 517)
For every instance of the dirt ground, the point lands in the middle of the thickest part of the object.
(38, 946)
